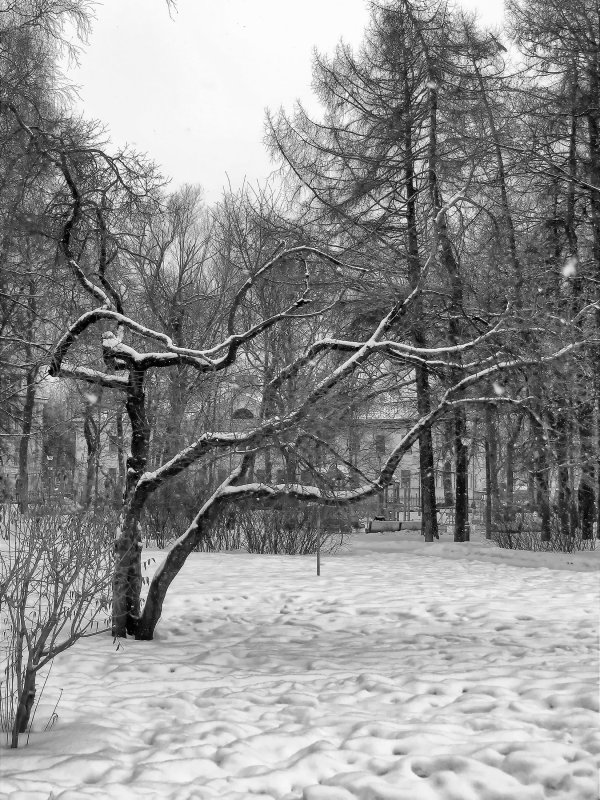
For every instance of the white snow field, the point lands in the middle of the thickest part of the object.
(405, 672)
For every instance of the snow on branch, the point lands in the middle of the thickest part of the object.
(94, 376)
(201, 360)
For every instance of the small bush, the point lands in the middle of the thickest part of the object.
(292, 530)
(524, 534)
(55, 577)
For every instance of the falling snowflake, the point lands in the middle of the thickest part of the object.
(570, 267)
(498, 389)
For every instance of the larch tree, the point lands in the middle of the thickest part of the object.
(397, 135)
(560, 44)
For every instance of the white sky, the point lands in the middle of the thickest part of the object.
(191, 91)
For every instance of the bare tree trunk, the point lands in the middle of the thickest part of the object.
(91, 433)
(509, 468)
(597, 381)
(461, 512)
(450, 264)
(426, 462)
(448, 448)
(120, 449)
(28, 409)
(488, 491)
(24, 706)
(491, 455)
(29, 405)
(540, 476)
(585, 492)
(127, 580)
(591, 463)
(426, 458)
(563, 477)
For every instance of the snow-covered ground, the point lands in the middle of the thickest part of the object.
(405, 672)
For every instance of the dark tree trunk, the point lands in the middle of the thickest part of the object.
(426, 462)
(24, 707)
(461, 509)
(29, 405)
(597, 394)
(120, 449)
(593, 125)
(426, 457)
(540, 476)
(563, 475)
(28, 409)
(450, 264)
(447, 451)
(127, 579)
(491, 451)
(488, 491)
(509, 469)
(91, 433)
(585, 492)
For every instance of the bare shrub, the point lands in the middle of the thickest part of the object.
(55, 576)
(524, 534)
(161, 530)
(292, 530)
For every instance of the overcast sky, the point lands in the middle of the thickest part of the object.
(191, 90)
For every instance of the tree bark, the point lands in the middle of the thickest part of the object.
(28, 409)
(450, 264)
(120, 449)
(540, 476)
(91, 433)
(491, 450)
(426, 456)
(591, 465)
(24, 706)
(127, 580)
(447, 450)
(461, 512)
(488, 491)
(29, 405)
(426, 462)
(585, 491)
(563, 475)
